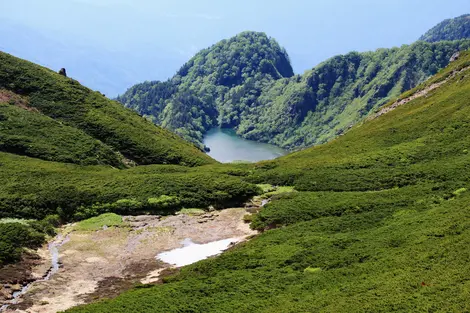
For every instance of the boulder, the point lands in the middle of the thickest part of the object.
(6, 294)
(16, 287)
(455, 57)
(63, 72)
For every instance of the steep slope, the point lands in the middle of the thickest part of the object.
(88, 116)
(24, 131)
(380, 223)
(450, 29)
(214, 88)
(245, 83)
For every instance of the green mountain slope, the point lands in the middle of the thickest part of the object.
(450, 29)
(25, 131)
(75, 113)
(380, 222)
(246, 83)
(326, 101)
(214, 88)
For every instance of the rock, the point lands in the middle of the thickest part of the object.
(455, 57)
(207, 149)
(16, 287)
(6, 294)
(63, 72)
(211, 208)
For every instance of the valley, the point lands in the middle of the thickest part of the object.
(105, 256)
(106, 207)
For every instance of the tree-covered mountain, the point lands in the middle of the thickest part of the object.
(246, 83)
(215, 87)
(82, 126)
(450, 29)
(326, 101)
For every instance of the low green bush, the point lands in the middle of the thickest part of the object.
(14, 237)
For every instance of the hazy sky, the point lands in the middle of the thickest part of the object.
(168, 33)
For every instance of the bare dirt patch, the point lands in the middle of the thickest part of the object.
(12, 98)
(102, 264)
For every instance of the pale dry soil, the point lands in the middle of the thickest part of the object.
(103, 263)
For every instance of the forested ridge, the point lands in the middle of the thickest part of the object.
(450, 29)
(214, 88)
(246, 83)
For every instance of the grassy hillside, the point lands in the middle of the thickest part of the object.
(380, 224)
(25, 131)
(63, 154)
(67, 102)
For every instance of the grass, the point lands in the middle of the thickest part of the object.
(191, 211)
(98, 222)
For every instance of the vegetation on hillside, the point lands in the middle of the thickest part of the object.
(326, 101)
(450, 29)
(380, 223)
(69, 103)
(34, 189)
(18, 234)
(33, 134)
(246, 83)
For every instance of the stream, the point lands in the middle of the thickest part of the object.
(53, 248)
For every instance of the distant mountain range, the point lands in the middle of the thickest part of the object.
(107, 71)
(247, 83)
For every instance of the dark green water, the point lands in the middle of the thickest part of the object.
(226, 147)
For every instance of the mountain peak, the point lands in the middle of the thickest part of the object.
(450, 29)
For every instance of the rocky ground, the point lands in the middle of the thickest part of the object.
(103, 263)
